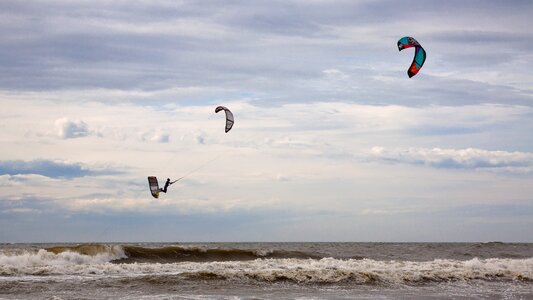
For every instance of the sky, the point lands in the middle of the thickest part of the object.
(332, 140)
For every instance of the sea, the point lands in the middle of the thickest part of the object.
(267, 271)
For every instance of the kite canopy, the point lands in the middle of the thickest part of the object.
(420, 54)
(229, 117)
(154, 186)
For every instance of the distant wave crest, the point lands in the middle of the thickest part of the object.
(172, 254)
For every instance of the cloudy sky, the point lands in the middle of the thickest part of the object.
(332, 140)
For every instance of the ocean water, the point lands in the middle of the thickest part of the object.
(267, 271)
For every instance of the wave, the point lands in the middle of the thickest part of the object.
(266, 270)
(170, 254)
(368, 271)
(263, 265)
(34, 261)
(28, 261)
(166, 253)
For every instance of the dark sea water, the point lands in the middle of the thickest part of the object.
(267, 271)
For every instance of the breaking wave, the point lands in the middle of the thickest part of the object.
(99, 260)
(55, 260)
(170, 254)
(330, 270)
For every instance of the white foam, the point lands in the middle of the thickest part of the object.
(326, 270)
(263, 252)
(44, 262)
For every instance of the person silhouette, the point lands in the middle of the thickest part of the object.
(167, 183)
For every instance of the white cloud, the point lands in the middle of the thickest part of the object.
(161, 138)
(469, 158)
(155, 136)
(335, 74)
(68, 129)
(313, 87)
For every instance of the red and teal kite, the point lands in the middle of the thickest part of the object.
(420, 54)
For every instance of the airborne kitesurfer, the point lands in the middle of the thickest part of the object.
(167, 183)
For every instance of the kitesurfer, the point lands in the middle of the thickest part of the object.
(167, 183)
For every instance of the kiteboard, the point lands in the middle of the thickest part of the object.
(154, 186)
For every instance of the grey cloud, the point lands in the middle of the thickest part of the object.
(457, 92)
(489, 38)
(512, 222)
(494, 211)
(50, 168)
(276, 51)
(480, 51)
(26, 205)
(475, 159)
(443, 130)
(306, 18)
